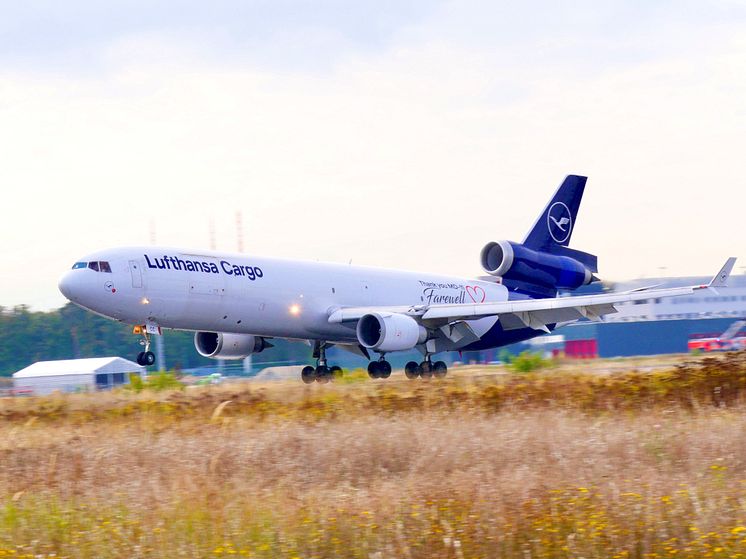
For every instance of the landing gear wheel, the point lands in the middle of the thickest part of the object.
(322, 374)
(308, 374)
(384, 369)
(374, 370)
(149, 358)
(145, 358)
(335, 372)
(440, 369)
(412, 370)
(426, 369)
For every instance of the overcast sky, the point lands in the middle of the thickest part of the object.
(396, 134)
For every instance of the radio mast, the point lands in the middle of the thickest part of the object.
(160, 352)
(239, 247)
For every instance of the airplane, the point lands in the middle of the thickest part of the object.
(236, 304)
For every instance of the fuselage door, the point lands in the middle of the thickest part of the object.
(136, 273)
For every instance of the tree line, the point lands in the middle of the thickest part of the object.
(72, 333)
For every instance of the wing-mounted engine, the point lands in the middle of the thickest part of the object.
(389, 332)
(514, 261)
(219, 345)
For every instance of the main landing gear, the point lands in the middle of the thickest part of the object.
(147, 357)
(322, 372)
(427, 369)
(376, 369)
(379, 369)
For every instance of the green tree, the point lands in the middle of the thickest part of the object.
(71, 332)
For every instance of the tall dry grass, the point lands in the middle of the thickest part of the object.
(378, 479)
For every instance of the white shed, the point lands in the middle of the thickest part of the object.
(75, 375)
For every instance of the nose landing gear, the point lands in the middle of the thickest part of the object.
(147, 357)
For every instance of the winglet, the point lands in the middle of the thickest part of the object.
(721, 278)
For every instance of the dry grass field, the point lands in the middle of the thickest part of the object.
(565, 463)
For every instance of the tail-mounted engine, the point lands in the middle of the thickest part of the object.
(218, 345)
(513, 261)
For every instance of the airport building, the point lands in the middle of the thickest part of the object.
(75, 375)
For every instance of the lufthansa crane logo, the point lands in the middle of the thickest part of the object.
(559, 222)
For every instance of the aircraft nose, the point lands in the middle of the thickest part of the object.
(69, 286)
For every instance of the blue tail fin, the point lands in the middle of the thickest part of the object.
(554, 226)
(552, 231)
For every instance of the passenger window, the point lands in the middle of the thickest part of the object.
(105, 267)
(79, 265)
(93, 266)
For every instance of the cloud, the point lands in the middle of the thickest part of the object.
(69, 37)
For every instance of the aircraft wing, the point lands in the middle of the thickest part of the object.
(534, 313)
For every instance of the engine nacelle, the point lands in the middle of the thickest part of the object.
(514, 261)
(389, 332)
(218, 345)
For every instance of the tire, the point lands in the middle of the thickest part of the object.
(412, 370)
(141, 358)
(322, 374)
(148, 358)
(373, 369)
(384, 369)
(336, 372)
(308, 374)
(440, 369)
(426, 369)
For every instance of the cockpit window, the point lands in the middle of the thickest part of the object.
(100, 266)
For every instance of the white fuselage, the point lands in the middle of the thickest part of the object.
(236, 293)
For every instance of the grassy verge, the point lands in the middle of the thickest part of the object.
(701, 383)
(568, 465)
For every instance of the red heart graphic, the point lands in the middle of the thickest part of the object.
(476, 292)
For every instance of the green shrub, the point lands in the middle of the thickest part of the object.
(157, 382)
(527, 361)
(136, 384)
(352, 377)
(505, 356)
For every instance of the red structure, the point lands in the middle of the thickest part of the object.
(581, 349)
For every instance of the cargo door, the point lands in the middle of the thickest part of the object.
(206, 299)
